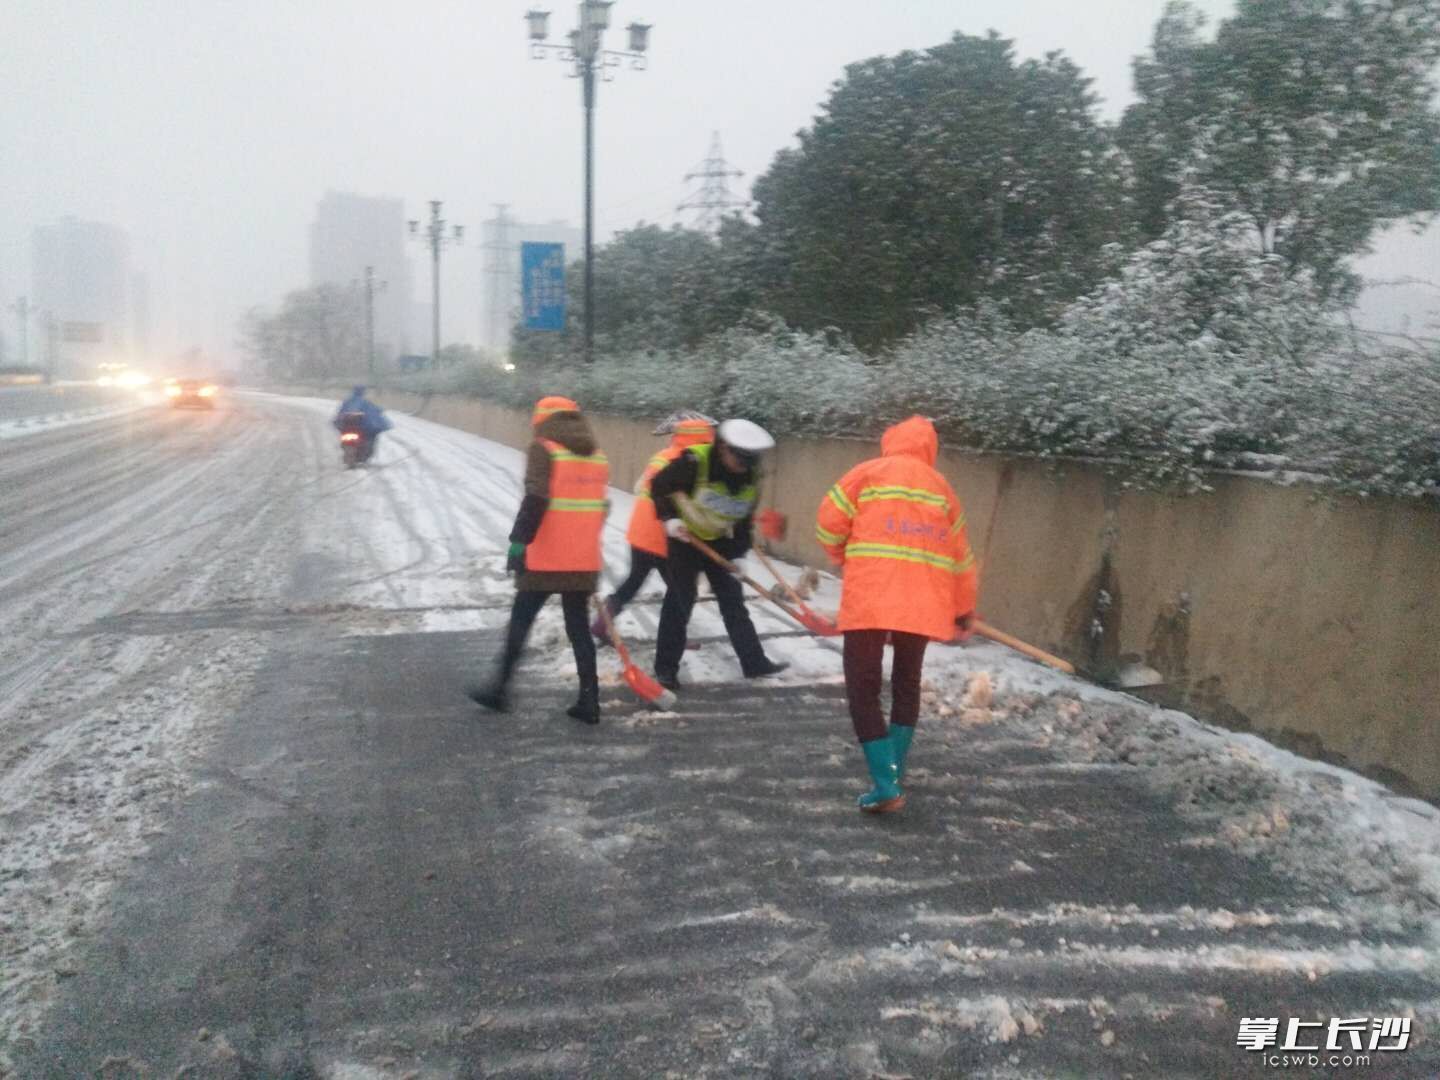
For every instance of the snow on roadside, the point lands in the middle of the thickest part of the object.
(34, 425)
(70, 829)
(1376, 849)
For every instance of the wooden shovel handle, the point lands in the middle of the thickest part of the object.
(715, 556)
(985, 630)
(795, 597)
(615, 640)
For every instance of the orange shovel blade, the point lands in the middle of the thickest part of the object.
(646, 688)
(820, 625)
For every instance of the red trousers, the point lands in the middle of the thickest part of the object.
(864, 673)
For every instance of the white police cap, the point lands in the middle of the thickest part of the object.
(745, 437)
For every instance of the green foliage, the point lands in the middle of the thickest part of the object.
(654, 288)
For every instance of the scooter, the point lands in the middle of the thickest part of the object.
(355, 445)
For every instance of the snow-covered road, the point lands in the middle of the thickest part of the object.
(153, 563)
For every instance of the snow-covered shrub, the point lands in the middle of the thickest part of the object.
(1200, 354)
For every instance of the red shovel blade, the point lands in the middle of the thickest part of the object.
(647, 689)
(820, 625)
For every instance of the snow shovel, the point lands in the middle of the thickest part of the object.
(1129, 676)
(716, 557)
(820, 625)
(985, 630)
(645, 687)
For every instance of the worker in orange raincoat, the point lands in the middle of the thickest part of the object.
(555, 547)
(649, 543)
(897, 530)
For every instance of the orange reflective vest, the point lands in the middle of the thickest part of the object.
(569, 534)
(898, 528)
(646, 531)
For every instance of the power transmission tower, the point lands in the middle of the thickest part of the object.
(713, 199)
(500, 272)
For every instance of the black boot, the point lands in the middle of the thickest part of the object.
(768, 667)
(587, 706)
(494, 696)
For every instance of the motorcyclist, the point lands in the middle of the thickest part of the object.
(372, 418)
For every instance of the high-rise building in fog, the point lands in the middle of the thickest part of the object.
(501, 238)
(82, 284)
(351, 232)
(140, 313)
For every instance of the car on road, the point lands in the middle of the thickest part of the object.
(191, 394)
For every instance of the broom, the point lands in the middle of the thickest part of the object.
(645, 687)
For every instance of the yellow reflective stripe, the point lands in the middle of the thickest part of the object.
(965, 563)
(903, 554)
(904, 494)
(841, 500)
(959, 524)
(825, 536)
(659, 461)
(596, 458)
(577, 504)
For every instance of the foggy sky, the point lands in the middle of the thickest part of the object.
(209, 129)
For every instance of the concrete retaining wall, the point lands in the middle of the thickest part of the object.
(1312, 621)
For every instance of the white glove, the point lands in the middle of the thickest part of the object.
(674, 527)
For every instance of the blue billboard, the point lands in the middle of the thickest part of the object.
(542, 276)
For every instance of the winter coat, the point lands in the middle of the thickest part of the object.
(572, 431)
(375, 419)
(898, 529)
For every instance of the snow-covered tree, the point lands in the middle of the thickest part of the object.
(1316, 119)
(931, 180)
(318, 333)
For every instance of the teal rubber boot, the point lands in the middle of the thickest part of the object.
(885, 797)
(900, 736)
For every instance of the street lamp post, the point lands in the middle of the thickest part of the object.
(437, 238)
(585, 52)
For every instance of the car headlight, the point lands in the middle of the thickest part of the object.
(172, 390)
(207, 391)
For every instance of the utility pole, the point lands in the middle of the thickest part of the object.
(713, 198)
(50, 336)
(437, 238)
(370, 286)
(23, 311)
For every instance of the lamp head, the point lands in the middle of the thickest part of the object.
(538, 24)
